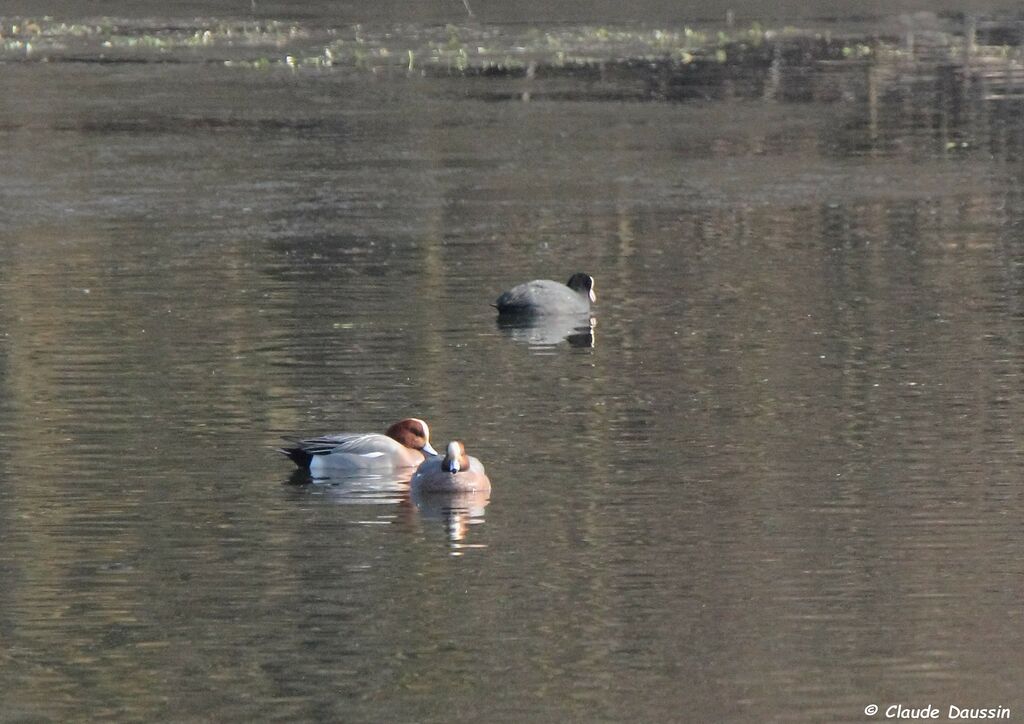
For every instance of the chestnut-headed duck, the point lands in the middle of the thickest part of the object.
(545, 297)
(405, 444)
(456, 472)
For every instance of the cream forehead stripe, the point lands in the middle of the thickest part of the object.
(426, 429)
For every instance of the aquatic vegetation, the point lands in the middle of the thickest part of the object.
(646, 57)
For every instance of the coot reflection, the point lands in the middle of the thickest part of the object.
(548, 331)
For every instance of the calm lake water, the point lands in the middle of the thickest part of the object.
(780, 481)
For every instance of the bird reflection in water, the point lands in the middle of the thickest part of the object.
(354, 489)
(457, 511)
(547, 331)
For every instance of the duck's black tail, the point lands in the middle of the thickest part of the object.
(297, 455)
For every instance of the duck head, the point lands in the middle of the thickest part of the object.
(455, 458)
(413, 433)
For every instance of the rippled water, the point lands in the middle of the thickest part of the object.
(779, 479)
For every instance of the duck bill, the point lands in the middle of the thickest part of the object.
(428, 450)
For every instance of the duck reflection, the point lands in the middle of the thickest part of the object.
(354, 489)
(456, 511)
(549, 330)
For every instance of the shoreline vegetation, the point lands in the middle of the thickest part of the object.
(650, 62)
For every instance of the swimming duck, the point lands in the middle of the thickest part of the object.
(405, 444)
(545, 297)
(456, 472)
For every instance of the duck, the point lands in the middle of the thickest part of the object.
(406, 444)
(456, 472)
(545, 297)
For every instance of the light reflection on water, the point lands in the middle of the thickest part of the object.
(782, 484)
(545, 334)
(453, 513)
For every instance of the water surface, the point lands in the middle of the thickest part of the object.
(778, 481)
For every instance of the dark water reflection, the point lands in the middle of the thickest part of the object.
(781, 483)
(453, 513)
(547, 332)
